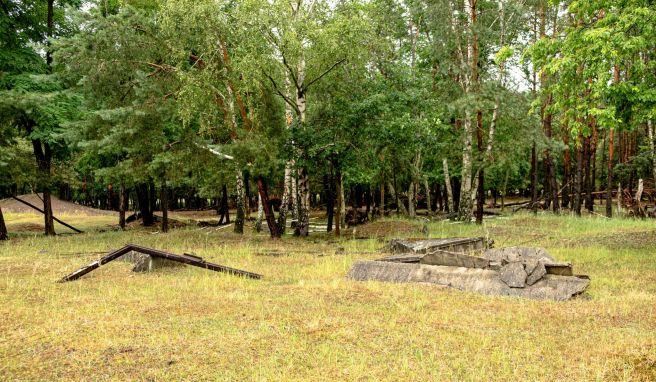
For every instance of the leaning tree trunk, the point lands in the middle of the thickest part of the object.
(239, 220)
(3, 227)
(268, 212)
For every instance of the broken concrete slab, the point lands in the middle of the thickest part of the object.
(513, 275)
(148, 263)
(526, 255)
(454, 259)
(536, 272)
(485, 281)
(419, 246)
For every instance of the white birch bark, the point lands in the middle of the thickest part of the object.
(260, 213)
(650, 132)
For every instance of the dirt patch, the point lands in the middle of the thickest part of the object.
(25, 227)
(624, 240)
(59, 207)
(387, 228)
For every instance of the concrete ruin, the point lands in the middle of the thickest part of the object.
(469, 264)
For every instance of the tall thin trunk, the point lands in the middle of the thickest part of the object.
(164, 197)
(480, 185)
(382, 194)
(286, 196)
(652, 148)
(465, 210)
(587, 180)
(567, 165)
(330, 201)
(225, 208)
(534, 178)
(3, 227)
(303, 225)
(578, 184)
(268, 212)
(239, 219)
(609, 180)
(447, 183)
(342, 204)
(260, 213)
(340, 199)
(411, 200)
(400, 207)
(121, 206)
(429, 204)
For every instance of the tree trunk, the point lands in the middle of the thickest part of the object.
(382, 194)
(330, 200)
(652, 148)
(447, 183)
(411, 200)
(268, 212)
(609, 179)
(429, 205)
(578, 184)
(3, 227)
(480, 184)
(340, 200)
(164, 198)
(247, 196)
(121, 207)
(286, 194)
(400, 207)
(144, 204)
(534, 179)
(260, 213)
(225, 208)
(587, 180)
(465, 210)
(303, 225)
(619, 199)
(239, 220)
(567, 165)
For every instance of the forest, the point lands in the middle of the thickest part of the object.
(392, 105)
(327, 190)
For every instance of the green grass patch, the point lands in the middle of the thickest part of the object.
(304, 321)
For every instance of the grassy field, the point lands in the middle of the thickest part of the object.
(304, 321)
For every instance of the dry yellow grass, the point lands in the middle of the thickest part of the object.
(304, 321)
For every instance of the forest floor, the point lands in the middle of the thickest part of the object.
(305, 321)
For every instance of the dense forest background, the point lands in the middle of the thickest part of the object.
(381, 105)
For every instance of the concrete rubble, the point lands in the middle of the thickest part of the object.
(468, 264)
